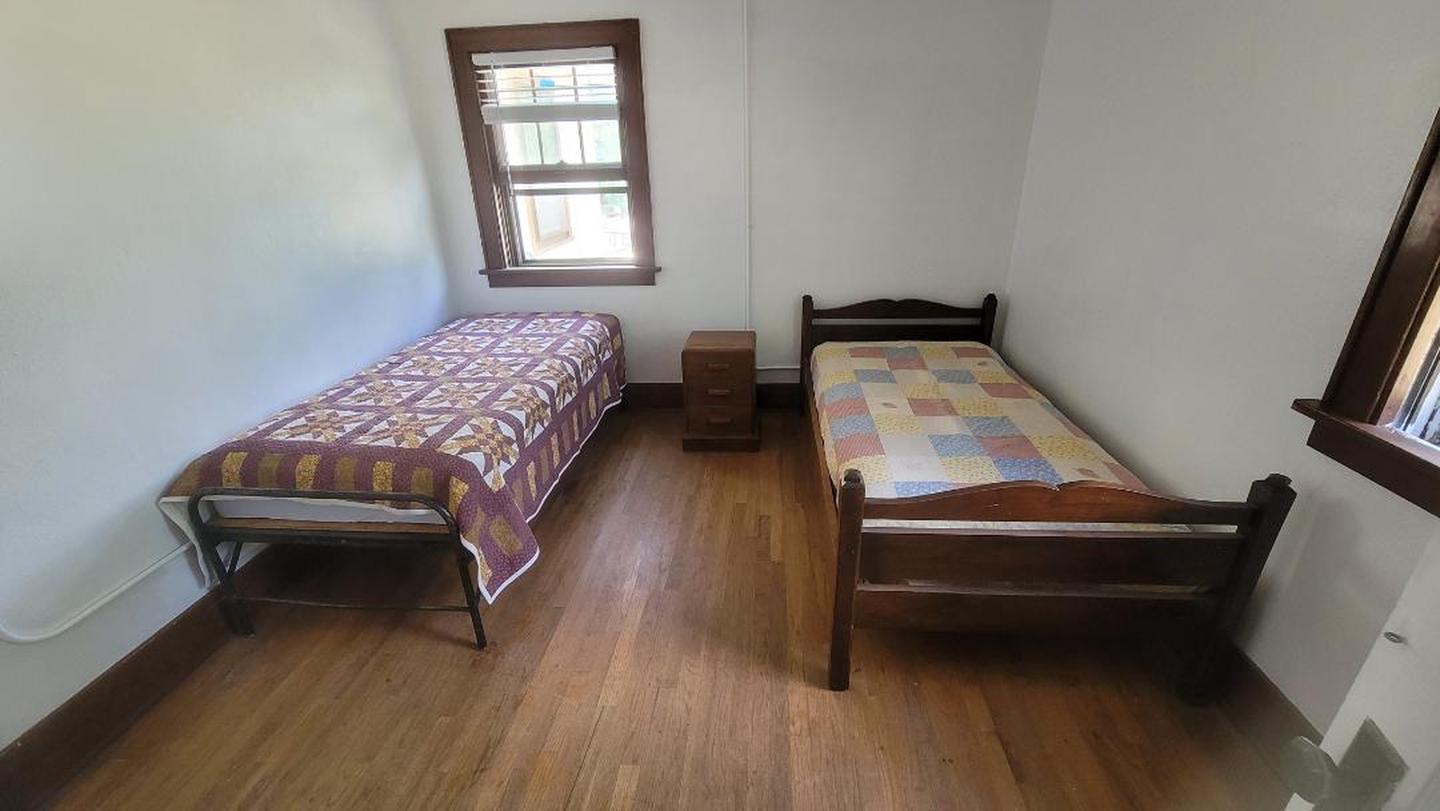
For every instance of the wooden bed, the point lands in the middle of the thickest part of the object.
(1131, 570)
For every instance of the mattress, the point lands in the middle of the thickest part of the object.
(483, 415)
(922, 417)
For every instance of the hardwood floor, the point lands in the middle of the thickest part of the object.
(668, 650)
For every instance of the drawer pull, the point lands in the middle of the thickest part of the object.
(718, 392)
(720, 420)
(717, 366)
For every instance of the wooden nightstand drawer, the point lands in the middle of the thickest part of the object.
(719, 392)
(720, 420)
(719, 370)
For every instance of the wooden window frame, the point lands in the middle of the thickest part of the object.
(502, 261)
(1386, 350)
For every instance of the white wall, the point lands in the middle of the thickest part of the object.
(887, 140)
(1208, 187)
(206, 211)
(888, 150)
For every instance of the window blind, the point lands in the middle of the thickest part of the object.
(569, 84)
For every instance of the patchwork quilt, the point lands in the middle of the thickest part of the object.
(920, 417)
(483, 414)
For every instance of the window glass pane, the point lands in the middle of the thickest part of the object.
(551, 84)
(549, 143)
(577, 227)
(595, 82)
(522, 144)
(602, 141)
(576, 185)
(1423, 418)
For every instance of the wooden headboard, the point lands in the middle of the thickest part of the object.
(891, 320)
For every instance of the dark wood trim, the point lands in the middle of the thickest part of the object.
(1378, 360)
(1400, 463)
(655, 395)
(571, 276)
(1071, 502)
(972, 557)
(502, 259)
(779, 395)
(40, 762)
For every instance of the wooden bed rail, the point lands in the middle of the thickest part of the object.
(1069, 503)
(1140, 575)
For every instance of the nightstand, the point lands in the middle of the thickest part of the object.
(719, 371)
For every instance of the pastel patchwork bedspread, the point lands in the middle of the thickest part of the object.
(483, 415)
(920, 417)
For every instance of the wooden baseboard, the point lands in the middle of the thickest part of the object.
(40, 762)
(779, 395)
(672, 395)
(654, 395)
(1261, 712)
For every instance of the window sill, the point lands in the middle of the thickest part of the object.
(572, 276)
(1400, 463)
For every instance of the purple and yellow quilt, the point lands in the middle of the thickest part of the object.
(920, 417)
(483, 415)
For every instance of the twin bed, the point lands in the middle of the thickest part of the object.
(453, 441)
(964, 499)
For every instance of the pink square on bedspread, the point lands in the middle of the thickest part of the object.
(1006, 390)
(1011, 447)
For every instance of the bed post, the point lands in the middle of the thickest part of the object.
(851, 503)
(1271, 498)
(987, 319)
(807, 315)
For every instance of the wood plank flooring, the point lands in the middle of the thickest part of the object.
(667, 651)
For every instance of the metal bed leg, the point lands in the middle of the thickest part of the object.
(472, 600)
(232, 607)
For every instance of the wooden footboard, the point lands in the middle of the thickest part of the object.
(1138, 573)
(1080, 557)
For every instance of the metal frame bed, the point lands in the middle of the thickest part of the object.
(460, 438)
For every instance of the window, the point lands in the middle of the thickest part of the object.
(554, 125)
(1422, 416)
(1380, 415)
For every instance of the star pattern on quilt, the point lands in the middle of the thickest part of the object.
(481, 388)
(319, 423)
(464, 395)
(404, 429)
(379, 391)
(487, 441)
(526, 403)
